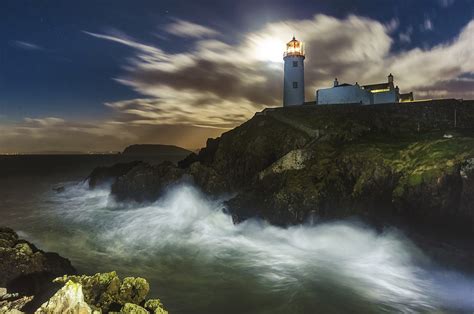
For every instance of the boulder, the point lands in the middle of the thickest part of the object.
(130, 308)
(155, 306)
(26, 269)
(12, 303)
(106, 292)
(101, 291)
(146, 183)
(69, 300)
(105, 175)
(133, 290)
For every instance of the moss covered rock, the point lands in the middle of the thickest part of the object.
(101, 290)
(133, 290)
(106, 292)
(26, 269)
(130, 308)
(155, 306)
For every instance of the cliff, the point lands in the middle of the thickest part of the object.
(142, 150)
(411, 161)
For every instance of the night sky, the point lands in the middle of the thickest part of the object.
(99, 75)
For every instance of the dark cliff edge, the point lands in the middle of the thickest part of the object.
(411, 163)
(154, 150)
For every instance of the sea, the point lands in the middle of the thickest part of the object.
(198, 261)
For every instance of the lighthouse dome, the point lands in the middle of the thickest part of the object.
(294, 48)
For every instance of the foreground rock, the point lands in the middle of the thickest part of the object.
(411, 162)
(31, 277)
(12, 302)
(26, 269)
(102, 293)
(69, 299)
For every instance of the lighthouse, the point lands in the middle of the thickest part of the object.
(293, 86)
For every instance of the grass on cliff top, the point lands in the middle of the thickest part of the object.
(419, 158)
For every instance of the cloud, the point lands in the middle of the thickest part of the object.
(44, 122)
(445, 3)
(445, 88)
(405, 37)
(26, 45)
(124, 40)
(427, 25)
(392, 25)
(183, 28)
(46, 134)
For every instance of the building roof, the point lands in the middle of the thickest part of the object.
(344, 84)
(385, 85)
(406, 96)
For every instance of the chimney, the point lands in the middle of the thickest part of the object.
(390, 78)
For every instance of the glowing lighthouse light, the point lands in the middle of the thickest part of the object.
(269, 49)
(293, 87)
(294, 48)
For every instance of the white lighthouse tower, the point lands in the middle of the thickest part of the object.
(293, 87)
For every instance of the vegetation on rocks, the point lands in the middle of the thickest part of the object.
(107, 293)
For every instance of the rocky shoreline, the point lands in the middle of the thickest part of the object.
(406, 163)
(34, 281)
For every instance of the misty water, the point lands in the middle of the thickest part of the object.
(198, 261)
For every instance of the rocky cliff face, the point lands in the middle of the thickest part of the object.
(286, 165)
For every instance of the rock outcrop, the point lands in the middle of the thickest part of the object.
(31, 274)
(12, 302)
(105, 292)
(26, 269)
(100, 293)
(287, 165)
(69, 299)
(103, 175)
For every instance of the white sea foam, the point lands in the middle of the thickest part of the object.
(380, 268)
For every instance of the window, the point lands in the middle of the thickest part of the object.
(295, 64)
(295, 84)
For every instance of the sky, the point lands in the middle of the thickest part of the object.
(98, 75)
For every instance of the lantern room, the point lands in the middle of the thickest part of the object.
(294, 48)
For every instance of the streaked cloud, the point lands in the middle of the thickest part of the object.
(183, 28)
(26, 45)
(44, 122)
